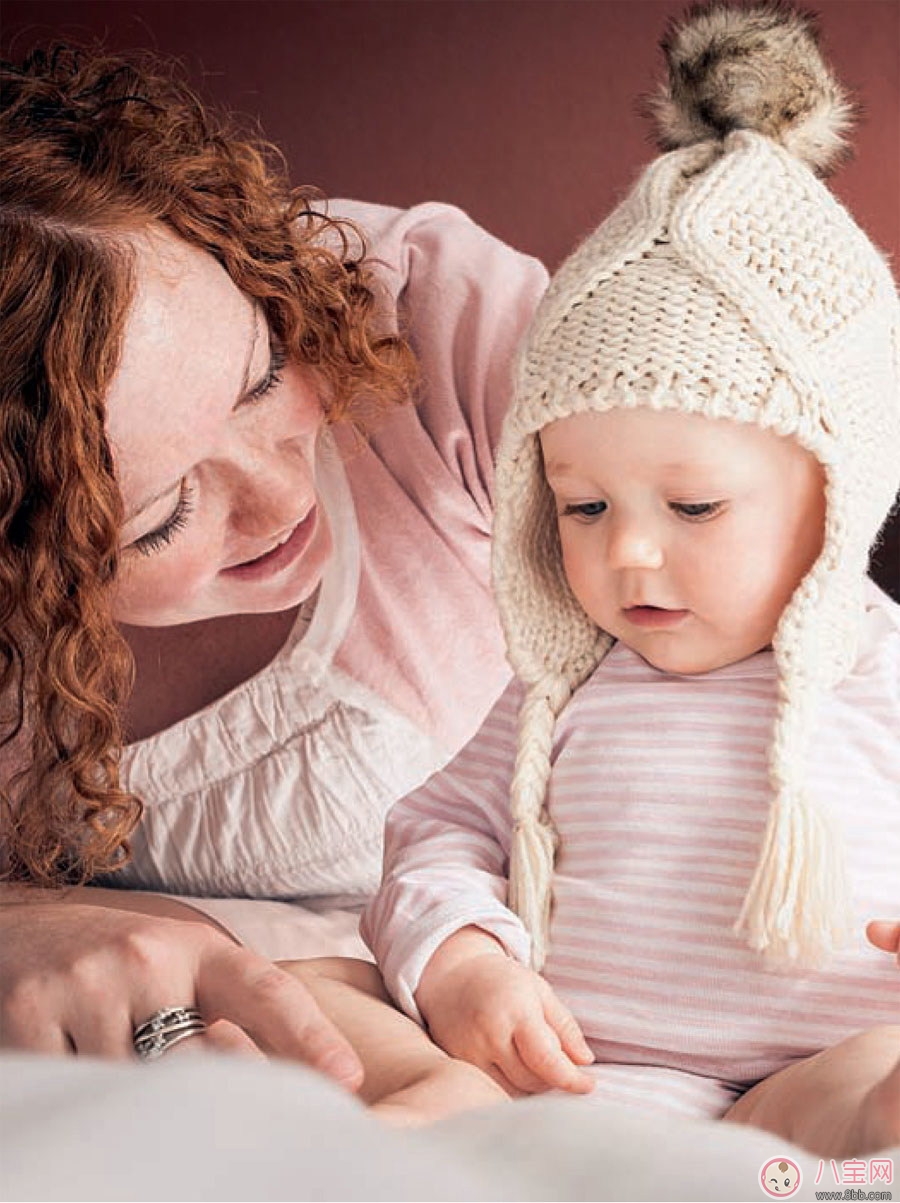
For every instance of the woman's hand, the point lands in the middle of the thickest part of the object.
(486, 1008)
(77, 978)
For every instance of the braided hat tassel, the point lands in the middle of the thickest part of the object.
(533, 835)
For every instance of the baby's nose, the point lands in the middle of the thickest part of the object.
(632, 547)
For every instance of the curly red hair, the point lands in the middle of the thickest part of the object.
(94, 146)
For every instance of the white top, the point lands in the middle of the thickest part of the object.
(279, 789)
(659, 793)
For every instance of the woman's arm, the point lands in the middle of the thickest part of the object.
(145, 903)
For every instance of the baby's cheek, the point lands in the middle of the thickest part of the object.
(588, 582)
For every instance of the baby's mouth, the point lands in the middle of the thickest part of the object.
(654, 616)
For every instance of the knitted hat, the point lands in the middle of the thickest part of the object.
(730, 283)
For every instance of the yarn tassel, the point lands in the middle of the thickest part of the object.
(797, 908)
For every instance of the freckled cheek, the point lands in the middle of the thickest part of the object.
(159, 586)
(304, 413)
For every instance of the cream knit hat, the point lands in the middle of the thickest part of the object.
(729, 283)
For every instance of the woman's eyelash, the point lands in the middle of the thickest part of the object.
(272, 378)
(156, 540)
(696, 511)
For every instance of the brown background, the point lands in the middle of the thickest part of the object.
(521, 111)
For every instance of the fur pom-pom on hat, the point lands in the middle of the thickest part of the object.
(755, 67)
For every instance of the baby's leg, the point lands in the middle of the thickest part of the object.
(844, 1102)
(408, 1079)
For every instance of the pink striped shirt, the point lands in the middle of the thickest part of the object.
(659, 794)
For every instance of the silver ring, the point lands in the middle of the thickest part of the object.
(164, 1028)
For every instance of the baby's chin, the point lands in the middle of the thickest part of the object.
(693, 662)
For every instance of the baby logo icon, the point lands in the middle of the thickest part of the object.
(780, 1177)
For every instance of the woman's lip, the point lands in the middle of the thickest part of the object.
(654, 616)
(279, 557)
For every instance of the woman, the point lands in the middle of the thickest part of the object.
(233, 630)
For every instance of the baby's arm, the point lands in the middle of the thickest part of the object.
(452, 953)
(482, 1005)
(408, 1079)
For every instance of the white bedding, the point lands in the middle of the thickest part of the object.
(198, 1127)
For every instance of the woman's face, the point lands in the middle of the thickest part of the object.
(214, 440)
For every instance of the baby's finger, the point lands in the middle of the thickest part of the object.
(495, 1072)
(571, 1037)
(884, 934)
(519, 1076)
(539, 1048)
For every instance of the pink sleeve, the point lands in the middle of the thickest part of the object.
(422, 485)
(464, 299)
(445, 860)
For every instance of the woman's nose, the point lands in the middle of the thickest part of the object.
(269, 495)
(270, 462)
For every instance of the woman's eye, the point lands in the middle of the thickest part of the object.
(272, 378)
(585, 509)
(156, 540)
(696, 511)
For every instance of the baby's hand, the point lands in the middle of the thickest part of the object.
(483, 1006)
(885, 934)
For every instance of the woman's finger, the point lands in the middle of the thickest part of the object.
(276, 1010)
(36, 1032)
(220, 1037)
(100, 1029)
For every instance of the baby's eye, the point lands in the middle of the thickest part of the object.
(696, 511)
(586, 510)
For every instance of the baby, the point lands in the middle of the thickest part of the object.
(659, 856)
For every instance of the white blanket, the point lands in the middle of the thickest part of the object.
(199, 1127)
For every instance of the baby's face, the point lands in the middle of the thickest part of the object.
(683, 536)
